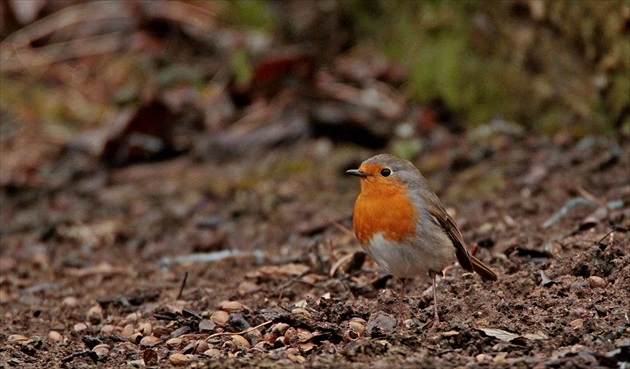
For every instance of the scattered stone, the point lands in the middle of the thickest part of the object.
(180, 331)
(302, 311)
(101, 350)
(577, 323)
(213, 352)
(290, 336)
(95, 314)
(280, 328)
(132, 317)
(107, 329)
(207, 325)
(174, 343)
(596, 282)
(254, 336)
(136, 363)
(304, 335)
(238, 322)
(178, 359)
(149, 341)
(231, 306)
(127, 331)
(582, 313)
(240, 341)
(80, 327)
(135, 338)
(145, 328)
(220, 317)
(293, 354)
(70, 301)
(17, 338)
(306, 347)
(381, 321)
(201, 347)
(161, 332)
(55, 336)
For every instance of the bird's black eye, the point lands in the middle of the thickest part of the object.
(386, 172)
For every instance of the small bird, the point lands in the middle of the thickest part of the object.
(402, 225)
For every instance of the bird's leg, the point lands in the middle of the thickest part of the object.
(436, 318)
(401, 296)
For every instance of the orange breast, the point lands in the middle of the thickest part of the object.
(383, 207)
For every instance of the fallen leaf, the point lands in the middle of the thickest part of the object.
(513, 337)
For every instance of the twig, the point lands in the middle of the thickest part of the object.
(80, 13)
(607, 234)
(181, 288)
(587, 195)
(342, 228)
(241, 332)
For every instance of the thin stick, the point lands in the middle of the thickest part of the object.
(239, 333)
(342, 228)
(181, 288)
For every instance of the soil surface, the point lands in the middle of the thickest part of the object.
(160, 264)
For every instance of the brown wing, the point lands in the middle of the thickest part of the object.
(467, 261)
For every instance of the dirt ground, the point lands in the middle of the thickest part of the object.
(93, 266)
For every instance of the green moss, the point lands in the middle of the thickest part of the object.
(538, 65)
(250, 13)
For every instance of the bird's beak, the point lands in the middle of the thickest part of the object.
(357, 172)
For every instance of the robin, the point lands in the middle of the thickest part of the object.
(402, 225)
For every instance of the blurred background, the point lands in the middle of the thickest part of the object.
(261, 105)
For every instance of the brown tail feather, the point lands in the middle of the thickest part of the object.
(482, 269)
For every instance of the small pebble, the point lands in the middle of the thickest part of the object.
(178, 359)
(180, 331)
(240, 341)
(132, 317)
(145, 328)
(17, 338)
(107, 329)
(280, 328)
(202, 346)
(213, 352)
(302, 312)
(149, 341)
(290, 336)
(127, 331)
(577, 323)
(80, 327)
(135, 338)
(231, 306)
(220, 317)
(161, 331)
(70, 301)
(481, 358)
(582, 313)
(55, 336)
(101, 350)
(306, 347)
(95, 314)
(174, 343)
(304, 334)
(207, 325)
(596, 282)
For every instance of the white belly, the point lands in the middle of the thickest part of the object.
(406, 261)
